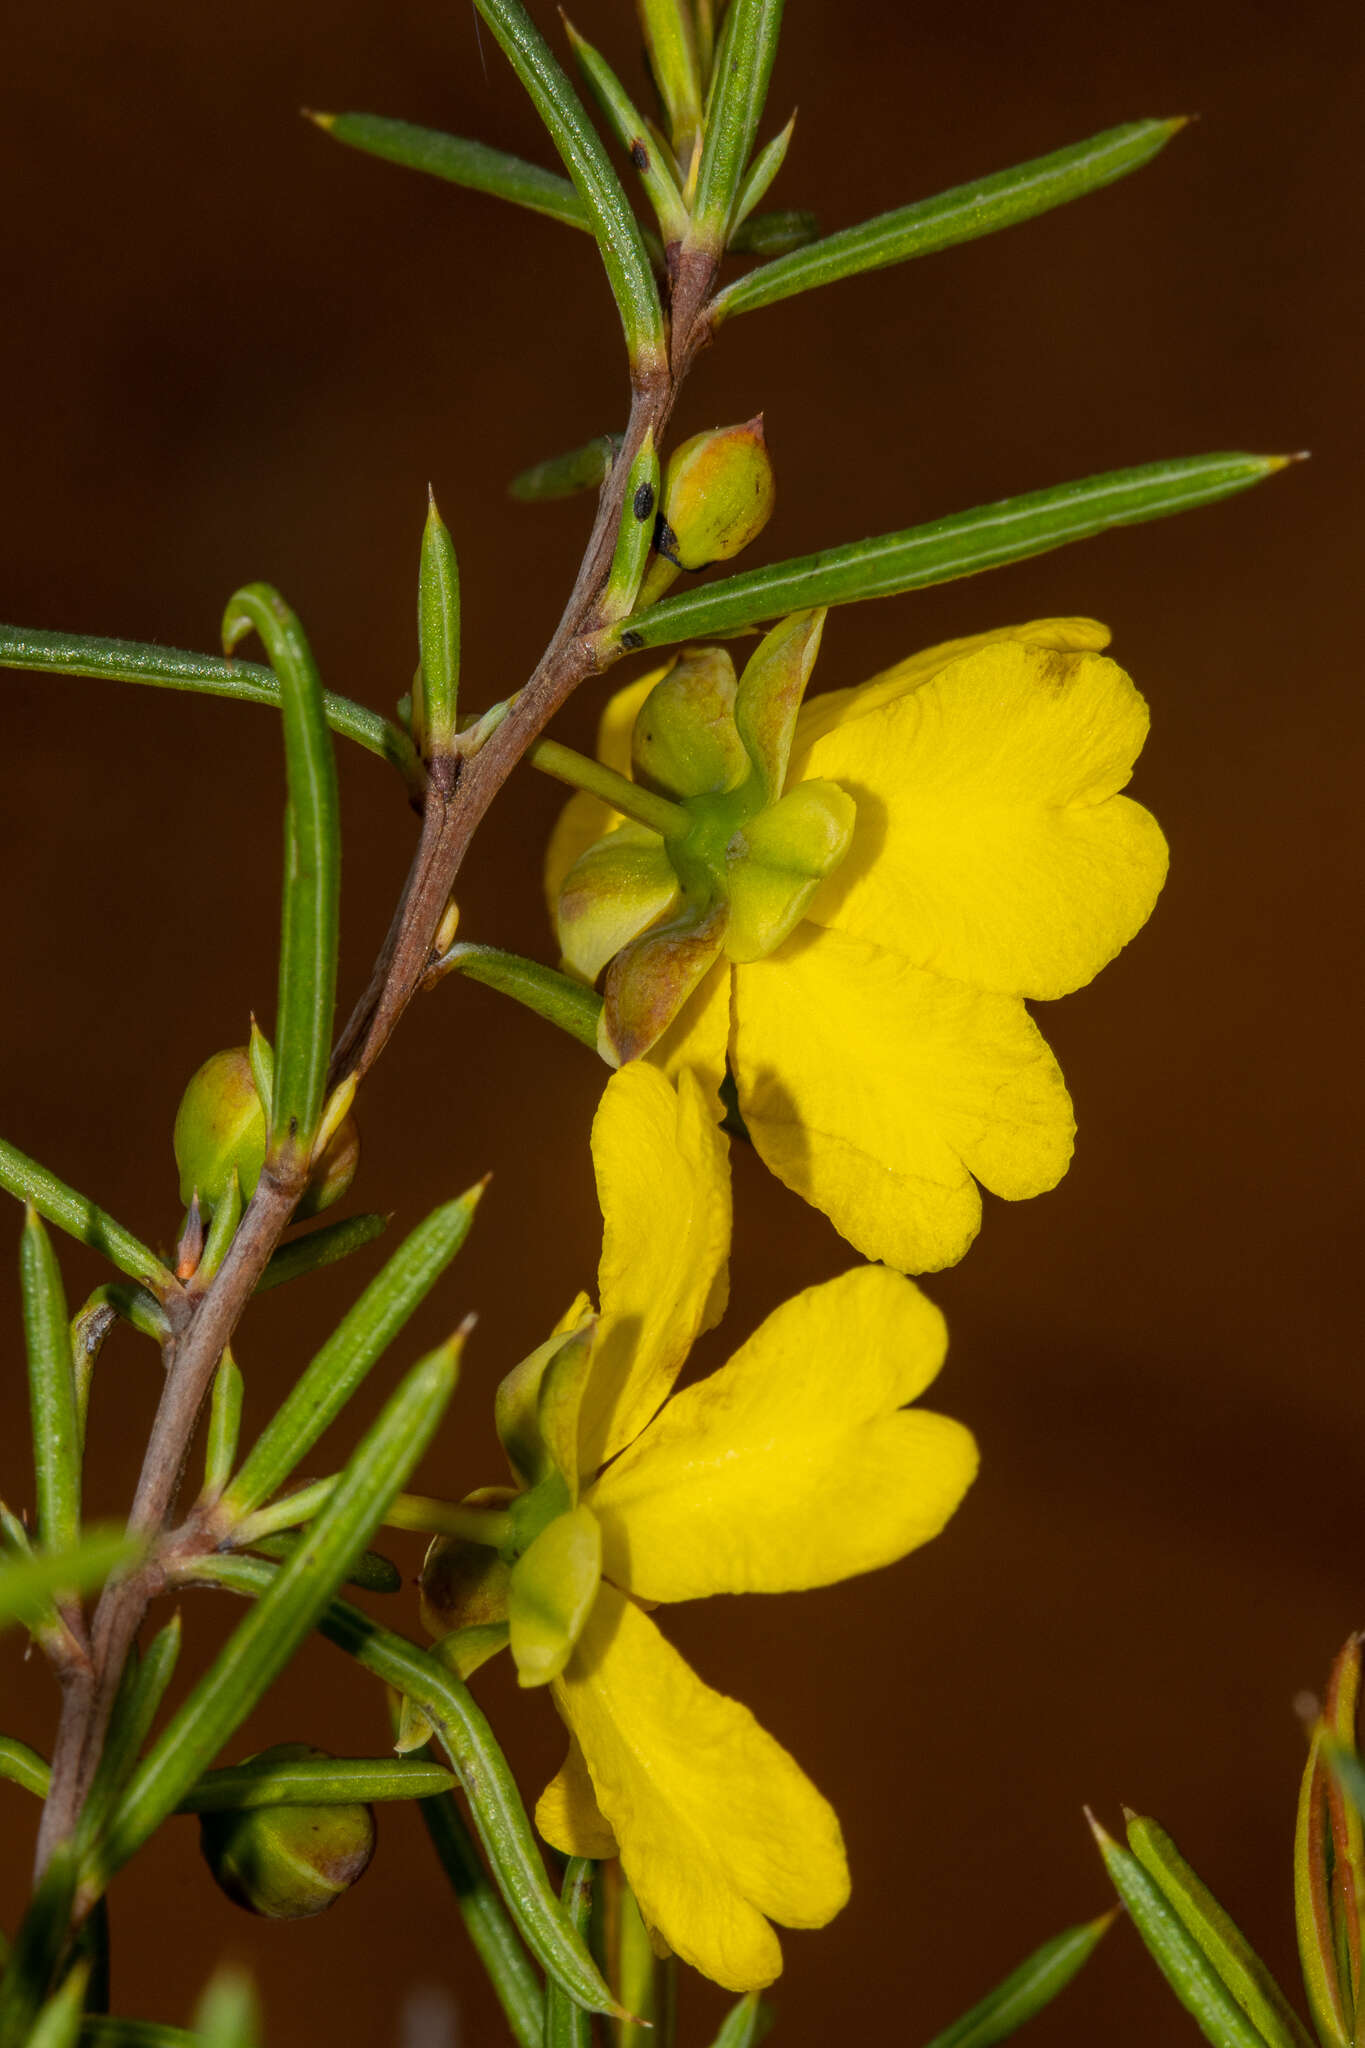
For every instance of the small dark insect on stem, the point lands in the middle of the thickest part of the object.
(459, 792)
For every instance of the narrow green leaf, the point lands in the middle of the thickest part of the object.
(564, 476)
(106, 1305)
(738, 93)
(671, 48)
(227, 1215)
(143, 1687)
(753, 190)
(554, 996)
(468, 1741)
(622, 246)
(635, 535)
(324, 1247)
(359, 1340)
(495, 1939)
(225, 1422)
(51, 1389)
(23, 1766)
(746, 2024)
(774, 234)
(638, 1977)
(1176, 1953)
(172, 668)
(438, 630)
(42, 1936)
(960, 215)
(372, 1572)
(290, 1511)
(1218, 1935)
(964, 544)
(1313, 1908)
(1026, 1990)
(58, 2025)
(28, 1583)
(264, 1642)
(315, 1781)
(567, 2024)
(632, 132)
(460, 162)
(308, 936)
(81, 1219)
(228, 2015)
(1348, 1770)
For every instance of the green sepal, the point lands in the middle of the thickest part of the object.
(312, 881)
(558, 998)
(635, 535)
(774, 234)
(53, 1414)
(789, 849)
(460, 162)
(960, 215)
(174, 668)
(1175, 1951)
(536, 1407)
(964, 544)
(319, 1248)
(438, 633)
(649, 981)
(564, 476)
(632, 132)
(769, 696)
(685, 742)
(82, 1219)
(621, 885)
(554, 1583)
(1222, 1941)
(619, 240)
(760, 175)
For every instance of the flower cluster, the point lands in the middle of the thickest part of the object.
(871, 887)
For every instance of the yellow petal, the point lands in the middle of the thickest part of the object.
(719, 1829)
(567, 1813)
(663, 1183)
(822, 713)
(585, 818)
(797, 1463)
(877, 1091)
(699, 1036)
(990, 843)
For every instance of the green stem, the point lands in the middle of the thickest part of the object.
(488, 1526)
(661, 816)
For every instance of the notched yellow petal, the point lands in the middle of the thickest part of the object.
(720, 1831)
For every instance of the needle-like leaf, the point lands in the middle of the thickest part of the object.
(738, 94)
(82, 1219)
(959, 215)
(51, 1389)
(460, 162)
(1026, 1990)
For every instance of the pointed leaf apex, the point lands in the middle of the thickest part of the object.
(1099, 1831)
(324, 121)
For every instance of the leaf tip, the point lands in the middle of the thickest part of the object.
(324, 121)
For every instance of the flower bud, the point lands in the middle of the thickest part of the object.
(288, 1862)
(219, 1126)
(718, 495)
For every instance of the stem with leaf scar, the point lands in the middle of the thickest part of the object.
(460, 788)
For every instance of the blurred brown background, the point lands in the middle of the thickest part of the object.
(233, 350)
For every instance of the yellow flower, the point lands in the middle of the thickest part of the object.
(883, 1057)
(796, 1464)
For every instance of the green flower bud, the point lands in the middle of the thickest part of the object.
(288, 1862)
(219, 1126)
(718, 495)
